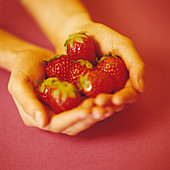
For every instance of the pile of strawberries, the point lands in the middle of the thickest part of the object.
(80, 73)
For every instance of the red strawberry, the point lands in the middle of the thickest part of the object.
(64, 97)
(116, 68)
(47, 86)
(95, 82)
(59, 66)
(80, 67)
(80, 46)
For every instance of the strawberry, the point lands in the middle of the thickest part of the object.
(80, 46)
(64, 97)
(59, 66)
(95, 82)
(46, 87)
(80, 67)
(116, 68)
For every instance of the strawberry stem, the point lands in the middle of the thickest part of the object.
(46, 62)
(78, 37)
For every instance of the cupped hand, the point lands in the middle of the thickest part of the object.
(107, 40)
(79, 118)
(29, 68)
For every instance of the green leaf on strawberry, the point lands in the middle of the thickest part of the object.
(78, 68)
(59, 66)
(86, 63)
(46, 88)
(80, 46)
(50, 82)
(64, 89)
(52, 58)
(59, 95)
(95, 82)
(77, 37)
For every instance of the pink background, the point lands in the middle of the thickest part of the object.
(137, 138)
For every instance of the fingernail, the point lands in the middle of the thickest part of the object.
(141, 84)
(107, 114)
(117, 101)
(96, 115)
(39, 118)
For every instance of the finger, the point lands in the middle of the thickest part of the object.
(22, 90)
(126, 95)
(64, 120)
(109, 111)
(88, 103)
(103, 99)
(97, 114)
(119, 108)
(106, 99)
(28, 120)
(134, 63)
(79, 127)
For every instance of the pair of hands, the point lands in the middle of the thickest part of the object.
(30, 67)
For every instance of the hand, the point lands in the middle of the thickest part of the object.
(78, 119)
(28, 68)
(108, 40)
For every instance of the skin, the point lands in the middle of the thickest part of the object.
(90, 111)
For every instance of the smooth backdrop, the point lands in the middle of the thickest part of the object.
(137, 138)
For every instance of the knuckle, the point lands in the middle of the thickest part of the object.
(70, 133)
(55, 130)
(83, 115)
(27, 123)
(141, 67)
(119, 108)
(10, 87)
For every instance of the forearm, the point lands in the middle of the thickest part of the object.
(57, 18)
(10, 46)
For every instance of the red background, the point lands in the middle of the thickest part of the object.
(137, 138)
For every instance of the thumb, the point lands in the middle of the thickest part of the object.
(23, 92)
(134, 64)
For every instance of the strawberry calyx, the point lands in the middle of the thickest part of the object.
(50, 82)
(85, 62)
(52, 58)
(77, 37)
(84, 83)
(108, 55)
(65, 89)
(38, 82)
